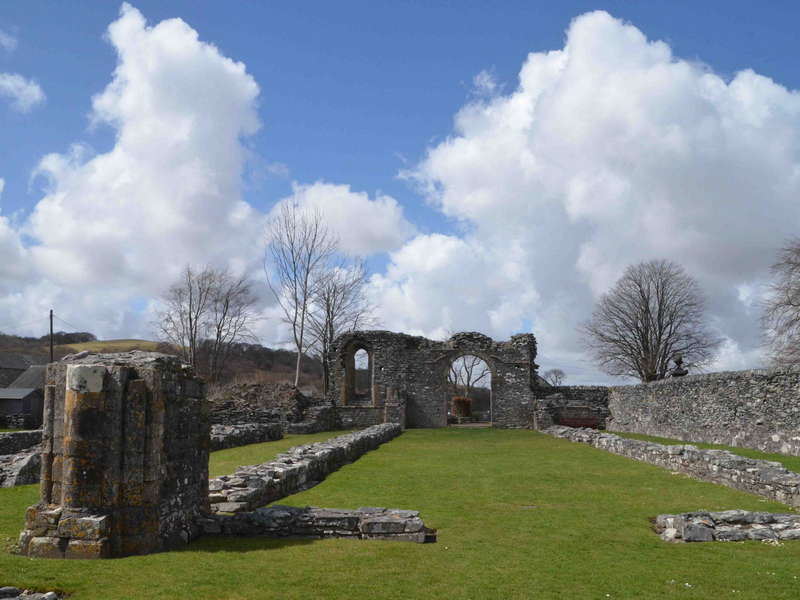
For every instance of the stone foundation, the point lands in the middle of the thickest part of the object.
(310, 522)
(294, 470)
(728, 526)
(762, 477)
(124, 458)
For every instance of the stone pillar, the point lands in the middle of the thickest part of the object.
(124, 457)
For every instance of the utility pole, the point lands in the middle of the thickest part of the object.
(51, 335)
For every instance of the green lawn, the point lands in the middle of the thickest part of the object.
(790, 462)
(520, 515)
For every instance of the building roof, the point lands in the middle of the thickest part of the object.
(33, 377)
(16, 393)
(14, 360)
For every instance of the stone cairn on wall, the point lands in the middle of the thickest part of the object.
(296, 469)
(124, 457)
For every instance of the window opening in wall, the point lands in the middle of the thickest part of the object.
(469, 394)
(363, 377)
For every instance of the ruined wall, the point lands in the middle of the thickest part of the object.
(415, 369)
(124, 459)
(572, 405)
(753, 409)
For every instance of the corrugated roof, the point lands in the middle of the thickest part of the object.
(15, 393)
(33, 377)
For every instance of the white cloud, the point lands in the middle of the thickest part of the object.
(118, 226)
(23, 93)
(609, 151)
(168, 192)
(7, 41)
(364, 226)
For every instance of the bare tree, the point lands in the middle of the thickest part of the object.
(554, 377)
(205, 313)
(781, 318)
(299, 247)
(338, 306)
(655, 311)
(468, 372)
(186, 305)
(231, 314)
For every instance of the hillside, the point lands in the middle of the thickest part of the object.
(248, 363)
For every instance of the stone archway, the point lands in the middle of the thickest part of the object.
(358, 383)
(469, 397)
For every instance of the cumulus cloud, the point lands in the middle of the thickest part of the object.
(611, 151)
(364, 226)
(169, 191)
(116, 227)
(7, 41)
(23, 93)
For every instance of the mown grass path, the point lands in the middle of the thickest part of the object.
(520, 515)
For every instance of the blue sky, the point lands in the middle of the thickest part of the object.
(356, 93)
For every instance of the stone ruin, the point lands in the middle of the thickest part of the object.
(124, 458)
(408, 376)
(124, 468)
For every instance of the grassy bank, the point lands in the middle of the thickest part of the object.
(520, 515)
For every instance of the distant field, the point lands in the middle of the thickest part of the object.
(110, 346)
(520, 515)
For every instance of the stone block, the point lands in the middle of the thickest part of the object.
(46, 547)
(382, 525)
(84, 528)
(697, 533)
(88, 548)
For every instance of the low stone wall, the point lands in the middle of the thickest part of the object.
(294, 470)
(322, 417)
(765, 478)
(232, 436)
(358, 417)
(571, 405)
(310, 522)
(753, 409)
(15, 593)
(728, 526)
(20, 421)
(16, 441)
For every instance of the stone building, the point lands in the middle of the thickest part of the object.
(411, 370)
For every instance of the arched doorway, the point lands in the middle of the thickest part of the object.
(358, 386)
(469, 391)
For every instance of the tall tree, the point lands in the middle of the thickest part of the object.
(338, 306)
(654, 312)
(231, 314)
(781, 318)
(299, 247)
(186, 303)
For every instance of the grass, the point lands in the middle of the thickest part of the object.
(520, 515)
(790, 462)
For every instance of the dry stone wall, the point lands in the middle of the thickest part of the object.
(571, 405)
(412, 371)
(232, 436)
(754, 409)
(762, 477)
(294, 470)
(15, 441)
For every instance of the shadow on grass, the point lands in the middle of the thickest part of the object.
(243, 544)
